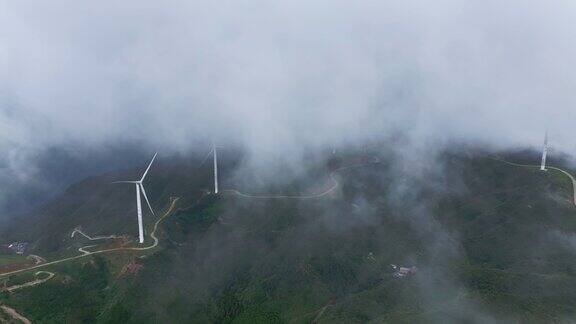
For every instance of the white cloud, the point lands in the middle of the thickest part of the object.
(288, 74)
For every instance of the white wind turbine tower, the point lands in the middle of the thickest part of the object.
(544, 153)
(215, 168)
(140, 187)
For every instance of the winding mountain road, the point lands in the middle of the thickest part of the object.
(32, 283)
(153, 245)
(95, 238)
(38, 259)
(335, 184)
(82, 249)
(549, 167)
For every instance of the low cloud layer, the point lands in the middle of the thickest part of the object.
(284, 76)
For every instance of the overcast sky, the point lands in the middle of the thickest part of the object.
(283, 75)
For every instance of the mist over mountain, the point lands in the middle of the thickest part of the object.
(281, 78)
(355, 139)
(491, 242)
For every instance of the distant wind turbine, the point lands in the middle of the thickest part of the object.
(140, 187)
(215, 168)
(544, 153)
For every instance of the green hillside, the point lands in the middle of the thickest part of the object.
(491, 243)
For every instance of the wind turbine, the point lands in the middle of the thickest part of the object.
(215, 168)
(544, 153)
(140, 187)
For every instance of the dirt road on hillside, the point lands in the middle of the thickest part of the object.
(153, 245)
(15, 315)
(334, 184)
(566, 173)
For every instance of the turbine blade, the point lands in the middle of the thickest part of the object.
(147, 169)
(125, 182)
(206, 158)
(146, 197)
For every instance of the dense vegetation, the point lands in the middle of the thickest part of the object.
(11, 259)
(492, 242)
